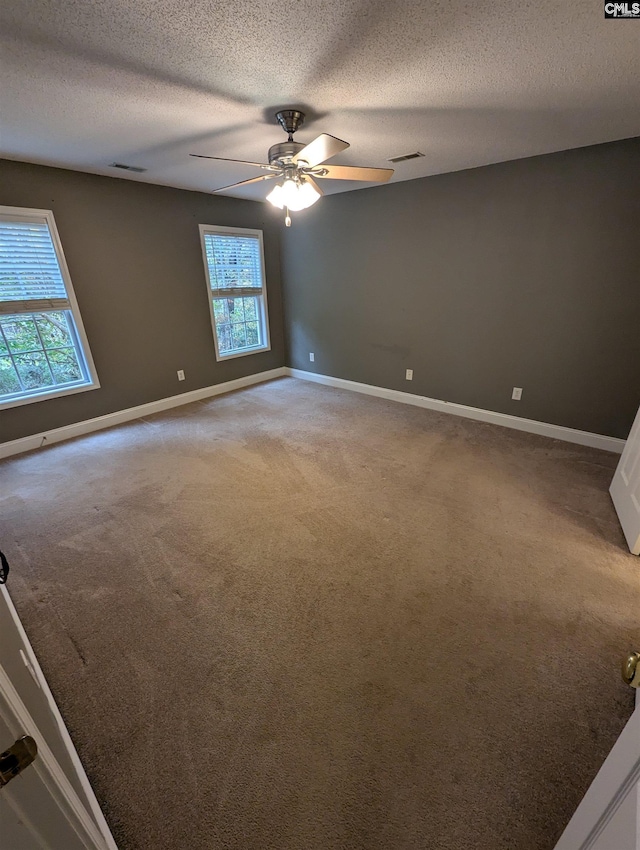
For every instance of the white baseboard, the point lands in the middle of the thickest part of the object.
(46, 438)
(545, 429)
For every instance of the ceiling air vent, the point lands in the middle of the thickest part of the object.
(406, 156)
(124, 167)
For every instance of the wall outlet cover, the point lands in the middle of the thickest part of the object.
(409, 375)
(312, 356)
(181, 374)
(516, 395)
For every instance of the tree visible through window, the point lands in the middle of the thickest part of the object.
(41, 346)
(235, 277)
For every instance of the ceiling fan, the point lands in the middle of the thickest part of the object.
(298, 167)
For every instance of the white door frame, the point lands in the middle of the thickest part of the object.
(90, 825)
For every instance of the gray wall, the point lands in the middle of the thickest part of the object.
(525, 273)
(135, 260)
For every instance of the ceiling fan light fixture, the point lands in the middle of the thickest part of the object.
(290, 194)
(294, 194)
(275, 197)
(308, 195)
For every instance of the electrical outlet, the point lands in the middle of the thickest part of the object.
(516, 395)
(312, 356)
(181, 374)
(409, 375)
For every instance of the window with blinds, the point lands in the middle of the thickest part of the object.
(43, 349)
(234, 267)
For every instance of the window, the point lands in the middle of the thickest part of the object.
(43, 349)
(234, 265)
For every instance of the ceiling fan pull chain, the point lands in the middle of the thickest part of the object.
(287, 220)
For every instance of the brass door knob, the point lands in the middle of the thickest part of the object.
(631, 669)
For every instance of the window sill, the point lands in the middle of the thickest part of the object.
(44, 395)
(233, 354)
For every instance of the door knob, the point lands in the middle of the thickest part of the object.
(631, 669)
(14, 760)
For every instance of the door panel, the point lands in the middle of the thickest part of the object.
(625, 489)
(34, 811)
(30, 817)
(50, 805)
(15, 657)
(622, 831)
(608, 816)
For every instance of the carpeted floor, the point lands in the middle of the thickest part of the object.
(298, 618)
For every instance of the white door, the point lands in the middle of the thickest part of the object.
(50, 804)
(625, 489)
(608, 818)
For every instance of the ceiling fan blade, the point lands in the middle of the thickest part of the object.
(237, 161)
(309, 179)
(354, 172)
(245, 182)
(321, 149)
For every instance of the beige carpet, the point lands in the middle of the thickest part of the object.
(298, 618)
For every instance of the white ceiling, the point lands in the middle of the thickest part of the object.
(146, 82)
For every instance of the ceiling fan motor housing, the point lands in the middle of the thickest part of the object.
(284, 151)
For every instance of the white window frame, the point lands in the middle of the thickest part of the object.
(26, 214)
(238, 293)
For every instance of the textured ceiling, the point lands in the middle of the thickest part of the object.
(84, 84)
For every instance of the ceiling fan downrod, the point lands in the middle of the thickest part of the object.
(290, 120)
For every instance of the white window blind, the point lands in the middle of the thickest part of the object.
(234, 268)
(30, 277)
(235, 263)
